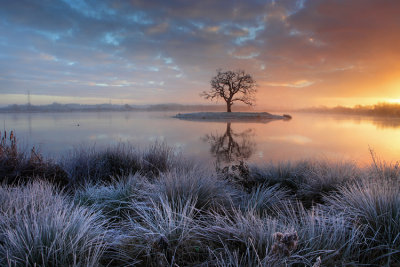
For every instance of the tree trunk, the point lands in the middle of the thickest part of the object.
(228, 107)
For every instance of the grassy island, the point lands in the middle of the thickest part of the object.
(231, 116)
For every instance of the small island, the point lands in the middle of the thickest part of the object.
(232, 86)
(232, 116)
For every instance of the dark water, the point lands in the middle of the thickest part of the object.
(305, 136)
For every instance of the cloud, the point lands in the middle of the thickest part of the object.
(296, 50)
(296, 84)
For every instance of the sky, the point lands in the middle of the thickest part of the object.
(301, 52)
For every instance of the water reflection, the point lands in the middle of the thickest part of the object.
(385, 123)
(231, 148)
(305, 136)
(379, 122)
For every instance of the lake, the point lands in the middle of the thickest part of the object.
(337, 137)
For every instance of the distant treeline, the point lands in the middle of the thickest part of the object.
(57, 107)
(380, 109)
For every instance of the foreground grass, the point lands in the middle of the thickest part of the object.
(124, 207)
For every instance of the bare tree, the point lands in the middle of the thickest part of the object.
(232, 86)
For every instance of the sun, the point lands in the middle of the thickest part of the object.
(393, 100)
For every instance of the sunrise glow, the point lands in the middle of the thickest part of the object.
(301, 53)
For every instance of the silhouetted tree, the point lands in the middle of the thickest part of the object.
(232, 86)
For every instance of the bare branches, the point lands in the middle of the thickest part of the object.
(232, 86)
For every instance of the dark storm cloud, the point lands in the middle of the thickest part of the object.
(157, 51)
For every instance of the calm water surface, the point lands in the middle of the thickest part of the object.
(305, 136)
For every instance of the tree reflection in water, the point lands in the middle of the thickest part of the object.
(231, 148)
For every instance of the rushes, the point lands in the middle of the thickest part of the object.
(17, 167)
(8, 145)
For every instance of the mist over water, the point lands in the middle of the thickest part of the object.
(336, 137)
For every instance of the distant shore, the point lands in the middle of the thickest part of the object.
(231, 116)
(390, 110)
(73, 107)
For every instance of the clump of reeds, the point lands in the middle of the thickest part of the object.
(8, 146)
(17, 167)
(10, 158)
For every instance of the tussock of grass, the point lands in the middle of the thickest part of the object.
(114, 200)
(164, 235)
(91, 165)
(200, 186)
(158, 158)
(322, 232)
(243, 232)
(374, 205)
(308, 180)
(264, 199)
(40, 227)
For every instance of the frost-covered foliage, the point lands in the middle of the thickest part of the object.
(152, 208)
